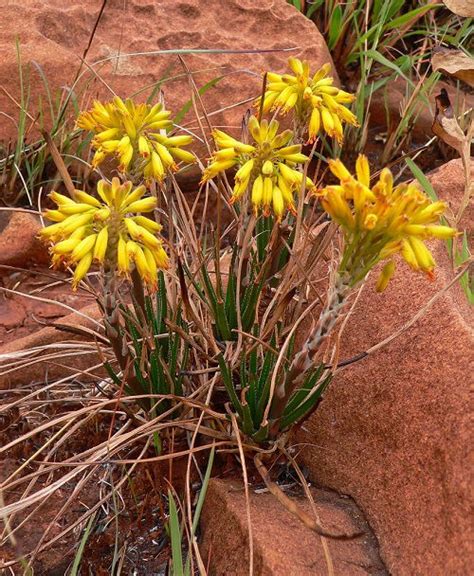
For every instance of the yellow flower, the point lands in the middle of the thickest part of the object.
(381, 220)
(110, 231)
(136, 135)
(266, 168)
(317, 104)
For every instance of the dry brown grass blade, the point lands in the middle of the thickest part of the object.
(80, 331)
(190, 310)
(293, 508)
(309, 496)
(54, 302)
(60, 165)
(81, 520)
(236, 430)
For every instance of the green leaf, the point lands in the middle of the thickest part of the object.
(111, 372)
(266, 368)
(290, 418)
(175, 346)
(247, 421)
(308, 384)
(264, 382)
(249, 304)
(217, 306)
(311, 9)
(222, 323)
(231, 293)
(229, 385)
(391, 8)
(150, 315)
(262, 434)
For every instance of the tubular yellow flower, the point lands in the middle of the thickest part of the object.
(136, 135)
(315, 101)
(267, 168)
(382, 220)
(100, 247)
(387, 272)
(81, 269)
(112, 231)
(123, 260)
(84, 247)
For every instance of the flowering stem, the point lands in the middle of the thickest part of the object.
(138, 292)
(113, 329)
(304, 360)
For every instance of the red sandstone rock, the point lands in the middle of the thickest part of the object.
(448, 183)
(12, 313)
(27, 352)
(54, 36)
(19, 244)
(393, 430)
(283, 546)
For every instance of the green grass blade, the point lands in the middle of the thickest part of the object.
(200, 503)
(175, 537)
(187, 106)
(335, 27)
(405, 19)
(391, 65)
(202, 493)
(111, 372)
(82, 544)
(422, 179)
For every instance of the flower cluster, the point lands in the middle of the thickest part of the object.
(136, 135)
(316, 102)
(267, 167)
(111, 231)
(381, 220)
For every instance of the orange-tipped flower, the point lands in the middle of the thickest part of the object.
(381, 220)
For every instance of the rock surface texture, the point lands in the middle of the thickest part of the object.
(54, 37)
(394, 430)
(283, 546)
(56, 351)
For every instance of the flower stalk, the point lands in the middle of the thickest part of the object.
(305, 359)
(377, 222)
